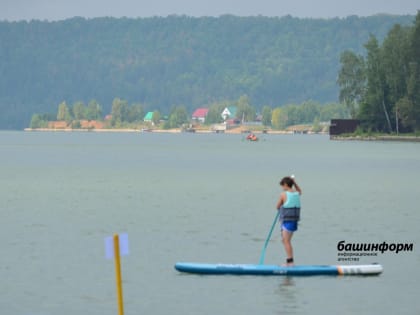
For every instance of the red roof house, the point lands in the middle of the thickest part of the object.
(200, 114)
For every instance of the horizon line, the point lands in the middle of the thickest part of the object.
(205, 16)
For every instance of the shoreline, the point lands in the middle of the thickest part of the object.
(168, 131)
(389, 138)
(236, 131)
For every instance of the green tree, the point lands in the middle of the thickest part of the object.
(308, 110)
(317, 127)
(245, 111)
(79, 110)
(63, 113)
(214, 113)
(156, 117)
(413, 85)
(392, 93)
(94, 111)
(119, 112)
(415, 39)
(38, 122)
(375, 110)
(413, 93)
(406, 113)
(279, 118)
(333, 111)
(266, 115)
(135, 113)
(178, 117)
(293, 114)
(395, 63)
(352, 80)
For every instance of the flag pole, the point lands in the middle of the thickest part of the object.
(118, 274)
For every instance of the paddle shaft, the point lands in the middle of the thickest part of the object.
(268, 238)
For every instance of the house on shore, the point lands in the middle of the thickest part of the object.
(200, 114)
(229, 112)
(148, 117)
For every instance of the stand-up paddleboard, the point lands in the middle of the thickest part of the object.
(274, 270)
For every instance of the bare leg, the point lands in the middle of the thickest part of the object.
(287, 238)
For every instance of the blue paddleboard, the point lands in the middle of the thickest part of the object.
(274, 270)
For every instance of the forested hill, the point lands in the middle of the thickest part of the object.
(175, 60)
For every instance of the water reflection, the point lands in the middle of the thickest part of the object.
(287, 291)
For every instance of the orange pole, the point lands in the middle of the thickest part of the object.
(118, 274)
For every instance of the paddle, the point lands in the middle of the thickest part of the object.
(268, 238)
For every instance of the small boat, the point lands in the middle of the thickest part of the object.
(275, 270)
(252, 137)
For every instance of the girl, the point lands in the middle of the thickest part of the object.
(289, 207)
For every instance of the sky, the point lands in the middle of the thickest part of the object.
(13, 10)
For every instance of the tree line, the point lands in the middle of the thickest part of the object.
(279, 117)
(175, 60)
(381, 87)
(124, 114)
(79, 111)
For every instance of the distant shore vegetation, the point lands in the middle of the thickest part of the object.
(381, 88)
(125, 115)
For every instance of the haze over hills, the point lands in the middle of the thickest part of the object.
(175, 60)
(63, 9)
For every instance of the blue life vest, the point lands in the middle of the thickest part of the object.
(290, 211)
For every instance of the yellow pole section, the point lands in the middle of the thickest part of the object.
(118, 274)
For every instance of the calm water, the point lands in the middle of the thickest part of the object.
(205, 198)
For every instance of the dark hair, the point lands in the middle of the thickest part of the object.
(287, 181)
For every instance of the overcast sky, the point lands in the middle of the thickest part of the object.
(62, 9)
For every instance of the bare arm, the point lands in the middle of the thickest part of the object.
(281, 200)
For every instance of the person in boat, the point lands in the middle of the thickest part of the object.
(252, 137)
(289, 207)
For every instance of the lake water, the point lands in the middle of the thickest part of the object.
(203, 198)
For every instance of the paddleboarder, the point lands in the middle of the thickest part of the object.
(289, 207)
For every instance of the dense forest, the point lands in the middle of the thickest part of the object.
(176, 60)
(382, 87)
